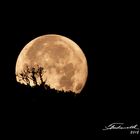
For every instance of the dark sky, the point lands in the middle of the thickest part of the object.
(109, 39)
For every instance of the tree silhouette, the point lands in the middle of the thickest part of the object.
(32, 75)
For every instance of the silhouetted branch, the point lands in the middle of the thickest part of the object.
(24, 77)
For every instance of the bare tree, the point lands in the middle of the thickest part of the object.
(24, 75)
(33, 74)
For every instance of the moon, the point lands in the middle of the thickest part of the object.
(63, 62)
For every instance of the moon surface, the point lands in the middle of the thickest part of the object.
(63, 61)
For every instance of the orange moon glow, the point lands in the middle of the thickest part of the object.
(63, 62)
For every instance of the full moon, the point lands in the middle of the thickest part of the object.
(55, 60)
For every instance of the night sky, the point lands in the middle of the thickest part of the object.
(108, 38)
